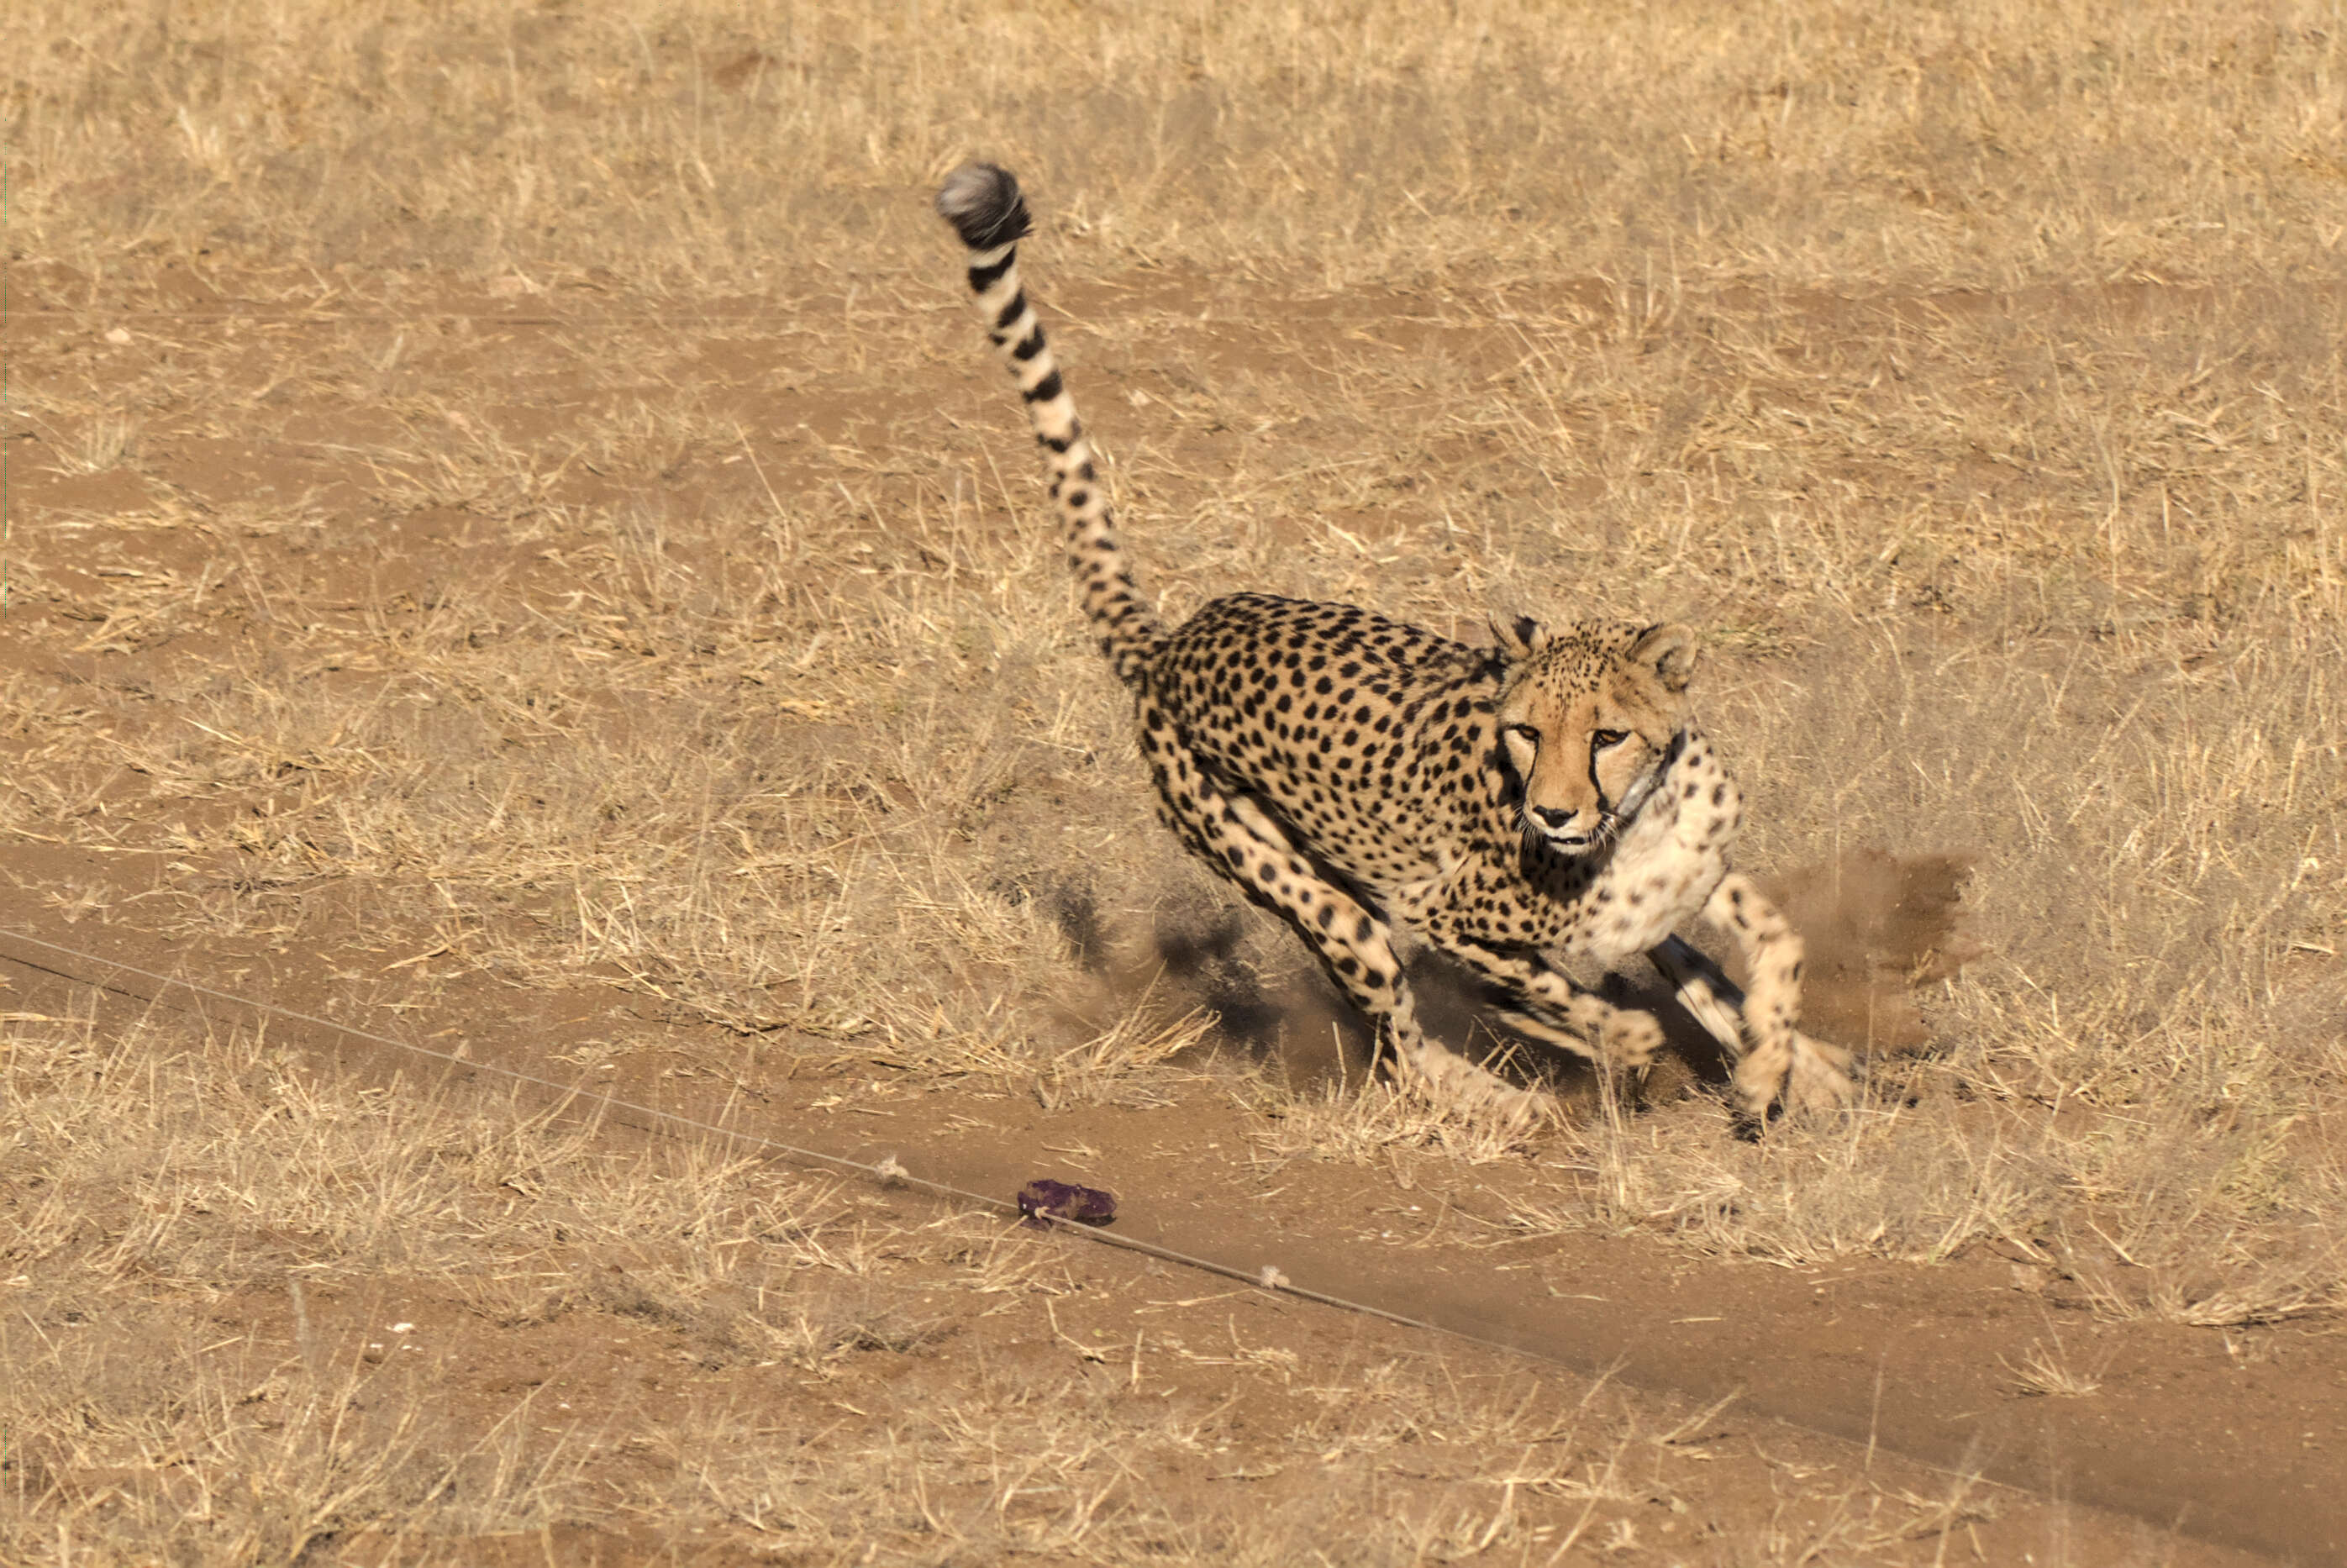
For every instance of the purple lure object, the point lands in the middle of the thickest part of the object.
(1043, 1201)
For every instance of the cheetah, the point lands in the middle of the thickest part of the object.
(1550, 793)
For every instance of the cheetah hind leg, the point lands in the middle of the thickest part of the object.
(1709, 997)
(1538, 1000)
(1818, 1075)
(1354, 947)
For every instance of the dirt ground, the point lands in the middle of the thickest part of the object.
(604, 627)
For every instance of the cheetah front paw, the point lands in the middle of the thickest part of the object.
(1820, 1077)
(1809, 1075)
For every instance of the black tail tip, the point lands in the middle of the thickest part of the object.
(983, 204)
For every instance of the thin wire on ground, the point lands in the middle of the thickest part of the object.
(888, 1172)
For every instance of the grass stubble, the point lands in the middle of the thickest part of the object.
(276, 1315)
(525, 481)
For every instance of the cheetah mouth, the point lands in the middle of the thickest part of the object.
(1570, 843)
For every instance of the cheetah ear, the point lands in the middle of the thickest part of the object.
(1518, 637)
(1669, 651)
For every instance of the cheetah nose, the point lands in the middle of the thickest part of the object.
(1550, 817)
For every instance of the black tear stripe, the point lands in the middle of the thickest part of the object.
(1044, 390)
(983, 277)
(1010, 312)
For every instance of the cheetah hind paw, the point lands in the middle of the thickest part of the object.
(1518, 1111)
(1476, 1093)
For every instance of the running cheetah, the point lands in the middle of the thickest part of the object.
(1549, 793)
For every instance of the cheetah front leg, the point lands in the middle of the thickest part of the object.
(1809, 1073)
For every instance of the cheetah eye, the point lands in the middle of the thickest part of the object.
(1607, 740)
(1525, 733)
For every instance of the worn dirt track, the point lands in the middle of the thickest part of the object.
(2215, 1446)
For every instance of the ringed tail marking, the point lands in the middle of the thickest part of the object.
(983, 204)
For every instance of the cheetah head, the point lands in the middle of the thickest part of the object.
(1586, 720)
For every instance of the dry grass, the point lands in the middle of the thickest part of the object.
(2046, 1368)
(1364, 1121)
(262, 1315)
(514, 495)
(732, 146)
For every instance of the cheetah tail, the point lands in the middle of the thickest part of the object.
(983, 204)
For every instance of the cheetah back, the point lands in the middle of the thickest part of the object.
(1371, 738)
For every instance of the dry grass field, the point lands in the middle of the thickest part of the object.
(514, 541)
